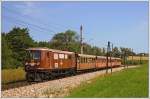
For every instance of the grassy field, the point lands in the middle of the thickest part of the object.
(137, 58)
(127, 83)
(12, 75)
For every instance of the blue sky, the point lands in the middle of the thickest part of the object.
(123, 23)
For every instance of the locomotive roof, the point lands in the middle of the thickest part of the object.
(52, 50)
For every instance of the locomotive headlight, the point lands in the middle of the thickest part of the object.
(26, 63)
(38, 63)
(32, 64)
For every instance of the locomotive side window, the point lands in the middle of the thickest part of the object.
(66, 56)
(55, 56)
(61, 56)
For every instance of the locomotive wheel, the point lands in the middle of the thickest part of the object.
(38, 77)
(30, 76)
(51, 77)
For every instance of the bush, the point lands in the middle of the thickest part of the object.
(12, 75)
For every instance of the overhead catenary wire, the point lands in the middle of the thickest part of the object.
(36, 26)
(57, 26)
(25, 25)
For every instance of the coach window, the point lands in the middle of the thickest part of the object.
(92, 60)
(86, 60)
(81, 60)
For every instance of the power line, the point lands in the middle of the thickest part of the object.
(20, 23)
(12, 11)
(41, 28)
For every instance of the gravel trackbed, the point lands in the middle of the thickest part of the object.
(53, 88)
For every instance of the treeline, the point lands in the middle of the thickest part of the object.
(18, 39)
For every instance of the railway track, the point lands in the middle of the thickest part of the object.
(25, 83)
(15, 85)
(53, 88)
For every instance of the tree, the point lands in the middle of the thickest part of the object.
(43, 44)
(116, 52)
(7, 59)
(19, 40)
(65, 41)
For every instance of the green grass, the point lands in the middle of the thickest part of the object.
(127, 83)
(12, 75)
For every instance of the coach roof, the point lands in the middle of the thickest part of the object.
(85, 55)
(102, 57)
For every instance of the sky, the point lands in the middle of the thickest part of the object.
(125, 24)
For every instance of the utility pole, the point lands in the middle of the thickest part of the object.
(140, 58)
(66, 39)
(81, 44)
(111, 56)
(108, 52)
(132, 55)
(124, 58)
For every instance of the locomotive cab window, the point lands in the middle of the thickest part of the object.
(34, 55)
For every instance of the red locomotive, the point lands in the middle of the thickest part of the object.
(44, 63)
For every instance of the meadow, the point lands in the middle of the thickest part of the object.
(126, 83)
(138, 58)
(12, 75)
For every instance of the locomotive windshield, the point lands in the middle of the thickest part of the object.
(34, 55)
